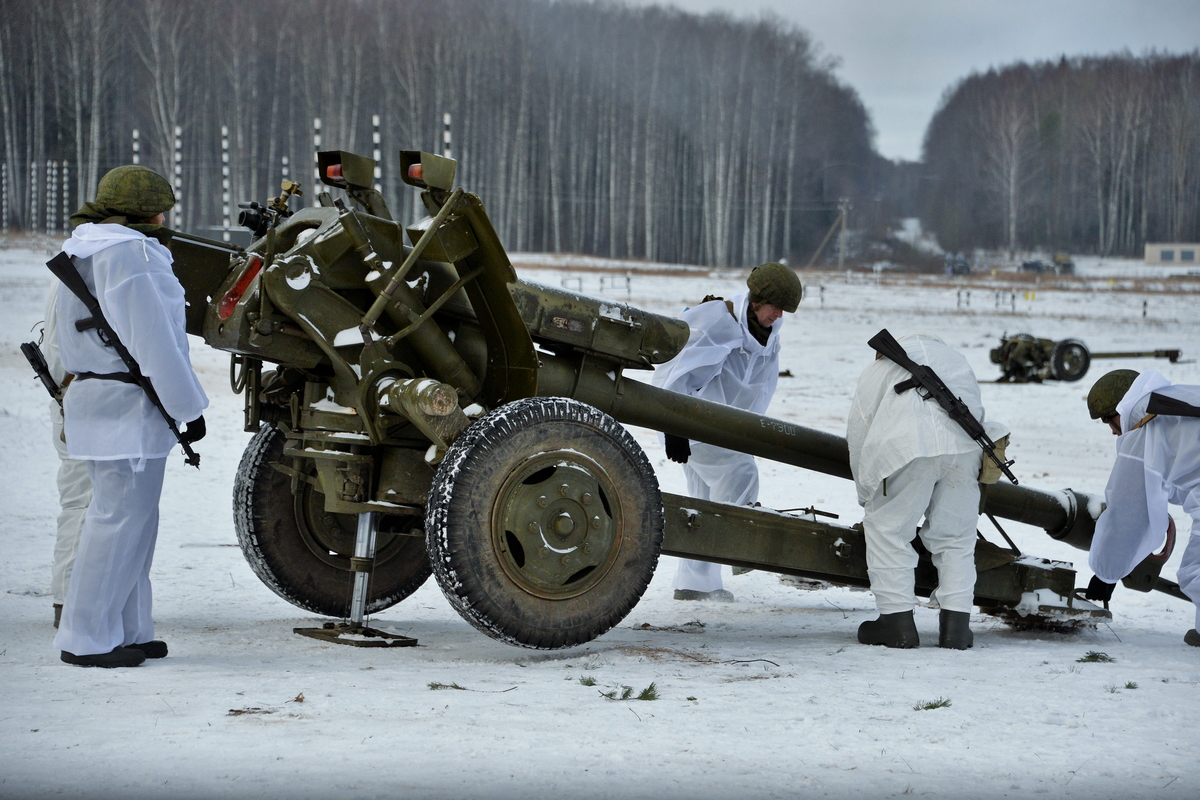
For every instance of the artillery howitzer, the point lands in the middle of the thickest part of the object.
(1026, 359)
(429, 412)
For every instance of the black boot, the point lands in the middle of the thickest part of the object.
(118, 657)
(954, 630)
(892, 630)
(1192, 638)
(152, 649)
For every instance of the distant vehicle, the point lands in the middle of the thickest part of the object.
(1061, 264)
(957, 264)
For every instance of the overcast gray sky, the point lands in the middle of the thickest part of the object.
(901, 55)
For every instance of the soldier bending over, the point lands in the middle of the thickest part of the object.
(1158, 462)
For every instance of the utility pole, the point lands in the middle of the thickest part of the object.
(844, 204)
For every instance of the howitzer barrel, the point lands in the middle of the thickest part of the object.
(1171, 355)
(1066, 515)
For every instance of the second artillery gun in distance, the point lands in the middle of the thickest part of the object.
(1027, 359)
(428, 412)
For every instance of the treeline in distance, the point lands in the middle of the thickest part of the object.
(1095, 155)
(585, 127)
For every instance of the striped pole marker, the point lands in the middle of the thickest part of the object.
(33, 196)
(316, 166)
(66, 199)
(226, 222)
(4, 200)
(375, 153)
(177, 212)
(51, 188)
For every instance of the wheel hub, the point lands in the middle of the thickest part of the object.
(557, 525)
(330, 537)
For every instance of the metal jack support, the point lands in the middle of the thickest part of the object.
(353, 632)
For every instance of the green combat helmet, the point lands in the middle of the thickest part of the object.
(135, 192)
(775, 284)
(1107, 392)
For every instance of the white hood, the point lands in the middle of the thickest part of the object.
(90, 238)
(1149, 381)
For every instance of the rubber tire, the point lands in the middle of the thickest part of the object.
(264, 514)
(458, 524)
(1064, 350)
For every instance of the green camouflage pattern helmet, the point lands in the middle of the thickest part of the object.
(775, 284)
(133, 191)
(1107, 392)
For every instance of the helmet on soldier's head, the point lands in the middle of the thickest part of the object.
(775, 284)
(134, 191)
(1107, 392)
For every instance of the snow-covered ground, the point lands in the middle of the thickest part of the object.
(768, 697)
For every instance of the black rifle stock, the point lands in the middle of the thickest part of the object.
(64, 269)
(924, 378)
(33, 354)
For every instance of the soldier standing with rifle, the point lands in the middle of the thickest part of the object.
(129, 354)
(1158, 462)
(915, 459)
(731, 357)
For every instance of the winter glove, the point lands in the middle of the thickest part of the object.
(195, 430)
(1099, 590)
(678, 448)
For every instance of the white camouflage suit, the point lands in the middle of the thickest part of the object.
(724, 363)
(1158, 462)
(910, 460)
(115, 429)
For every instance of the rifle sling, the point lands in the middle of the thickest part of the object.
(123, 377)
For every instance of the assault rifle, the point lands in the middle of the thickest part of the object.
(64, 269)
(928, 384)
(33, 354)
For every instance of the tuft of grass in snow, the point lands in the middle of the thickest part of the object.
(587, 680)
(1131, 685)
(1074, 669)
(434, 685)
(1111, 688)
(694, 624)
(1094, 657)
(625, 693)
(649, 693)
(690, 697)
(928, 705)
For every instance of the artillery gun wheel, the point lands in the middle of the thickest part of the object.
(303, 553)
(544, 523)
(1070, 360)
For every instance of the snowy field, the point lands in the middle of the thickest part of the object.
(768, 697)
